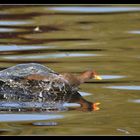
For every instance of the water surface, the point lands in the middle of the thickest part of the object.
(96, 9)
(74, 39)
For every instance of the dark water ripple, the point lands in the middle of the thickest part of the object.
(20, 16)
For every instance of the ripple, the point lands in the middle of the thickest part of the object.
(45, 123)
(11, 30)
(84, 93)
(28, 117)
(112, 76)
(46, 56)
(123, 130)
(7, 30)
(21, 48)
(95, 9)
(3, 13)
(134, 32)
(8, 22)
(5, 130)
(135, 101)
(125, 87)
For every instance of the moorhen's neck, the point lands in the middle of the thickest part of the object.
(75, 80)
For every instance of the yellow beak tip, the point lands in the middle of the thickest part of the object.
(98, 77)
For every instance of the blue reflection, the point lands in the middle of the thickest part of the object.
(7, 30)
(95, 9)
(14, 22)
(43, 56)
(134, 32)
(135, 101)
(111, 76)
(125, 87)
(21, 47)
(84, 93)
(28, 117)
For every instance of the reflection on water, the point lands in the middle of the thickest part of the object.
(135, 101)
(112, 76)
(21, 47)
(7, 30)
(74, 39)
(125, 87)
(48, 56)
(17, 23)
(45, 123)
(95, 9)
(84, 93)
(3, 13)
(28, 117)
(134, 32)
(122, 130)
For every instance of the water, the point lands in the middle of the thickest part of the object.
(6, 48)
(74, 39)
(10, 23)
(48, 56)
(96, 9)
(125, 87)
(27, 117)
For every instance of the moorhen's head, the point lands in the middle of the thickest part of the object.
(90, 74)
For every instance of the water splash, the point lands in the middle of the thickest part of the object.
(21, 92)
(23, 70)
